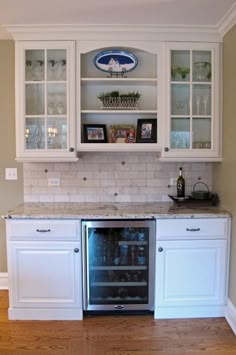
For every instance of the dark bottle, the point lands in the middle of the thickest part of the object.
(180, 184)
(141, 256)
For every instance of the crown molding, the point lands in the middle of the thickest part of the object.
(227, 22)
(122, 32)
(115, 32)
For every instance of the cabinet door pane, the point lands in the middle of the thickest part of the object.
(180, 95)
(56, 99)
(34, 65)
(180, 65)
(201, 100)
(180, 133)
(34, 94)
(201, 133)
(57, 133)
(56, 65)
(34, 133)
(202, 66)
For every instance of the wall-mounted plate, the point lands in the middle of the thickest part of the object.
(115, 61)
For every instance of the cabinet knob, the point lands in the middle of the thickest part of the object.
(160, 249)
(71, 149)
(166, 149)
(76, 250)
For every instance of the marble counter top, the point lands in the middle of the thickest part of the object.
(91, 210)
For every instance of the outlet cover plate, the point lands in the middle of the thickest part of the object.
(54, 182)
(11, 173)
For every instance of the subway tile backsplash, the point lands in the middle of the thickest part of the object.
(110, 177)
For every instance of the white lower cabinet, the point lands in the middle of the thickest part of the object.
(191, 274)
(45, 277)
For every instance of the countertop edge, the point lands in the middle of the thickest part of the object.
(112, 211)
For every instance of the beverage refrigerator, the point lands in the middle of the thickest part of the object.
(118, 265)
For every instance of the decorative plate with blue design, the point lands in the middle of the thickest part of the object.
(115, 61)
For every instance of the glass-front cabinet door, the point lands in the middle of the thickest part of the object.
(45, 113)
(192, 106)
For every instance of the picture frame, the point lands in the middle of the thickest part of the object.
(94, 133)
(146, 130)
(122, 134)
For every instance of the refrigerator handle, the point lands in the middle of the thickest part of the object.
(85, 266)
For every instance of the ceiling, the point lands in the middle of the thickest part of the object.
(122, 12)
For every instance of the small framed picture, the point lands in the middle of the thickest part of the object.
(122, 134)
(94, 133)
(146, 130)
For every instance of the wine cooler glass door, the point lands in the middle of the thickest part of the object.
(118, 265)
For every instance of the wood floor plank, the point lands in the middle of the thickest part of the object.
(115, 335)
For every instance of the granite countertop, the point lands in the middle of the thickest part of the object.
(91, 210)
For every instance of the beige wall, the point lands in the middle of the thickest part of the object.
(11, 192)
(224, 174)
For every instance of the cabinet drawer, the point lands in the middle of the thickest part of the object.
(192, 228)
(43, 229)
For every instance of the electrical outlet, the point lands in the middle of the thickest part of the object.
(54, 182)
(11, 173)
(173, 181)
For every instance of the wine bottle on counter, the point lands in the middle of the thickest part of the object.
(180, 184)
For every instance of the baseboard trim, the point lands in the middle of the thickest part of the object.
(189, 312)
(230, 315)
(3, 281)
(45, 314)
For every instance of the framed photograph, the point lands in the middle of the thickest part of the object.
(94, 133)
(146, 130)
(122, 134)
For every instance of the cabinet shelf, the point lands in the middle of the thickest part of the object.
(113, 81)
(114, 284)
(120, 111)
(119, 147)
(119, 299)
(119, 268)
(207, 83)
(45, 82)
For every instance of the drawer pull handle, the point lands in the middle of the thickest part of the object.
(192, 229)
(76, 250)
(160, 249)
(43, 230)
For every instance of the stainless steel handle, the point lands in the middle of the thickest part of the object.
(43, 230)
(119, 306)
(85, 269)
(192, 229)
(160, 249)
(76, 250)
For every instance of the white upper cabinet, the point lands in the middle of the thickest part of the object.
(126, 117)
(68, 102)
(191, 102)
(45, 101)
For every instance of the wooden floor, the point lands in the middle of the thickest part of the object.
(115, 335)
